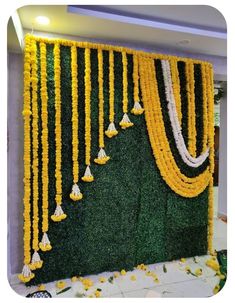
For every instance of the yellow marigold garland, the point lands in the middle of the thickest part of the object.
(26, 274)
(125, 122)
(192, 134)
(59, 214)
(204, 72)
(75, 194)
(184, 186)
(210, 82)
(36, 262)
(102, 157)
(137, 109)
(45, 243)
(176, 87)
(111, 131)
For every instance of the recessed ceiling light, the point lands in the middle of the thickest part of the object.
(43, 20)
(183, 42)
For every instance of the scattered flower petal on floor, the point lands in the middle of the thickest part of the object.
(41, 287)
(102, 279)
(123, 272)
(60, 284)
(133, 278)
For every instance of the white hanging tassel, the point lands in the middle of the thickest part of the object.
(36, 261)
(102, 157)
(88, 177)
(125, 122)
(26, 274)
(76, 193)
(59, 215)
(111, 131)
(45, 244)
(137, 109)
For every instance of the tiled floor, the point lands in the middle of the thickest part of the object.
(173, 283)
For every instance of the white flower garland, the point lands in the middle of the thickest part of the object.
(179, 140)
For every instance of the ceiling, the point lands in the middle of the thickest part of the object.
(193, 29)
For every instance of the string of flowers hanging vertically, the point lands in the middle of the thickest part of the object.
(58, 214)
(191, 109)
(102, 157)
(87, 81)
(26, 274)
(45, 244)
(137, 109)
(36, 261)
(125, 122)
(204, 71)
(176, 88)
(210, 88)
(75, 194)
(111, 131)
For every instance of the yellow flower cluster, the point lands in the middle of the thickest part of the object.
(210, 90)
(58, 145)
(111, 131)
(178, 182)
(101, 98)
(34, 81)
(213, 263)
(75, 140)
(204, 72)
(137, 109)
(87, 80)
(87, 283)
(192, 134)
(102, 279)
(60, 284)
(142, 267)
(26, 275)
(176, 88)
(125, 123)
(58, 174)
(44, 116)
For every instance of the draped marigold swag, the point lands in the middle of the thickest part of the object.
(154, 85)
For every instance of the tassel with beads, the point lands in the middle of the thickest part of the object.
(59, 215)
(88, 177)
(102, 157)
(125, 122)
(111, 131)
(137, 109)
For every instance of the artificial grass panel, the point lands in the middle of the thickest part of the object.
(128, 214)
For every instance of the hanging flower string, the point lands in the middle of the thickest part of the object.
(125, 122)
(26, 274)
(102, 157)
(75, 194)
(192, 135)
(176, 88)
(211, 129)
(111, 131)
(58, 214)
(87, 81)
(137, 109)
(35, 261)
(204, 72)
(45, 244)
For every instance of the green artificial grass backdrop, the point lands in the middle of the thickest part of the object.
(128, 214)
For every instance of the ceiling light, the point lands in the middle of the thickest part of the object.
(43, 20)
